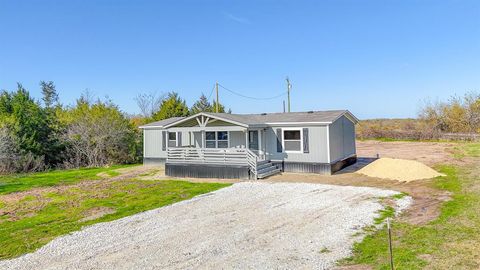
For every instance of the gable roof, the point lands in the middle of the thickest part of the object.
(162, 123)
(265, 119)
(320, 117)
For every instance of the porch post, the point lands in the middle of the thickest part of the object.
(260, 151)
(246, 138)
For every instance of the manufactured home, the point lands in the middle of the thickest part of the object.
(251, 146)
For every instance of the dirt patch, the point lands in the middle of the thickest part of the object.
(96, 212)
(429, 153)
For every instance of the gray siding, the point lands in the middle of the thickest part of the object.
(153, 144)
(237, 139)
(317, 146)
(342, 139)
(348, 137)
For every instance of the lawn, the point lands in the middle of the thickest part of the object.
(29, 220)
(452, 241)
(26, 181)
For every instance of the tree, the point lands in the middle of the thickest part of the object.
(201, 105)
(149, 103)
(172, 106)
(98, 134)
(25, 129)
(459, 114)
(50, 96)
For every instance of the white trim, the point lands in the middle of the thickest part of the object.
(328, 144)
(150, 127)
(145, 141)
(207, 115)
(297, 123)
(349, 116)
(168, 138)
(199, 122)
(219, 128)
(216, 139)
(301, 140)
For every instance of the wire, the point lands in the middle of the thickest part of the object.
(211, 92)
(257, 98)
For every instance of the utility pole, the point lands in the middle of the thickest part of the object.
(289, 86)
(216, 105)
(283, 106)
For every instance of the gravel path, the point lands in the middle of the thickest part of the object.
(248, 225)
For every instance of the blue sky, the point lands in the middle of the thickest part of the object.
(375, 58)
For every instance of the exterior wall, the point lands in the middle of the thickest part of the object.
(197, 139)
(237, 139)
(152, 145)
(154, 161)
(318, 150)
(342, 139)
(153, 141)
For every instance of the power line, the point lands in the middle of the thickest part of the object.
(256, 98)
(211, 92)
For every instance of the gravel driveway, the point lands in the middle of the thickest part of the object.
(248, 225)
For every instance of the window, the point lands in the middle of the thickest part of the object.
(172, 139)
(222, 139)
(292, 140)
(216, 139)
(210, 140)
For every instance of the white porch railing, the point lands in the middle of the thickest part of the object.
(231, 156)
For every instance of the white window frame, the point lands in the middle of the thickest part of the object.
(301, 140)
(176, 139)
(216, 139)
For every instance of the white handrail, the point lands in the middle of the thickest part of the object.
(234, 156)
(252, 159)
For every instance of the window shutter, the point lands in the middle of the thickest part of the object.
(279, 140)
(164, 140)
(305, 141)
(179, 138)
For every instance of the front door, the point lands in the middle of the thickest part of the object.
(253, 140)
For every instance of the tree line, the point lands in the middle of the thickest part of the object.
(436, 120)
(39, 135)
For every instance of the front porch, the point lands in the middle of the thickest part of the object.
(215, 148)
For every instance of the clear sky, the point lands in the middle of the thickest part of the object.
(375, 58)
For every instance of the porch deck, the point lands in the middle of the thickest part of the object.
(226, 158)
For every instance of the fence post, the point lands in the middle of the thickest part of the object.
(390, 249)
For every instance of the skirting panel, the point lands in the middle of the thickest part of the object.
(207, 171)
(153, 161)
(303, 167)
(319, 168)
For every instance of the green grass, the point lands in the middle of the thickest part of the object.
(33, 221)
(388, 139)
(467, 150)
(452, 239)
(23, 182)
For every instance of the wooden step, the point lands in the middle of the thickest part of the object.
(267, 169)
(269, 173)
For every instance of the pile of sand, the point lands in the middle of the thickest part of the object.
(399, 169)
